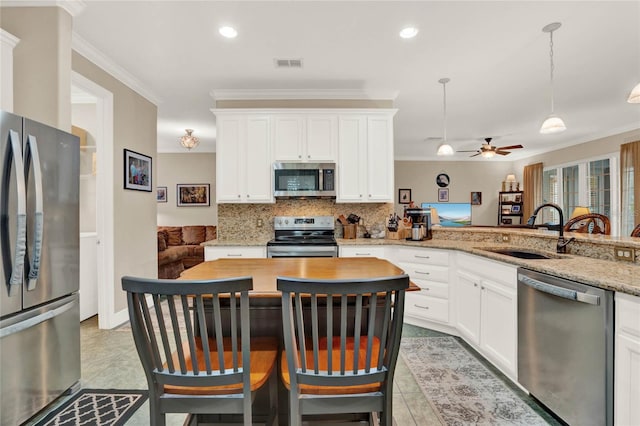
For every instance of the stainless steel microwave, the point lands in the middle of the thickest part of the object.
(302, 180)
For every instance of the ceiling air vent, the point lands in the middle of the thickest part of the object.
(288, 63)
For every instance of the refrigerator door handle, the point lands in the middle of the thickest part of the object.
(15, 151)
(33, 321)
(32, 156)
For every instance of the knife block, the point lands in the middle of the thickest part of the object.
(349, 231)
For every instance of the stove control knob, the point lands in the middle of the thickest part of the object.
(279, 222)
(286, 221)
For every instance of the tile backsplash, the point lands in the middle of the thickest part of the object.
(239, 222)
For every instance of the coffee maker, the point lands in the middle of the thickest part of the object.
(420, 223)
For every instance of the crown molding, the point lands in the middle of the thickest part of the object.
(87, 50)
(73, 7)
(8, 38)
(288, 94)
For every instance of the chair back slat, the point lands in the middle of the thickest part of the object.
(176, 333)
(217, 325)
(147, 328)
(162, 329)
(233, 330)
(366, 322)
(204, 336)
(191, 341)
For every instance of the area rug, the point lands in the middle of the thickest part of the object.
(96, 407)
(461, 390)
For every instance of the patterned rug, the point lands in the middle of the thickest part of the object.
(96, 407)
(461, 390)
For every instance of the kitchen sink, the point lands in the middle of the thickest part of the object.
(523, 254)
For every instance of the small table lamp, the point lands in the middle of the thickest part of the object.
(510, 183)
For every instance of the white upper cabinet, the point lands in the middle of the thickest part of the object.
(243, 159)
(305, 137)
(365, 158)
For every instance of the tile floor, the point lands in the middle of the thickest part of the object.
(109, 360)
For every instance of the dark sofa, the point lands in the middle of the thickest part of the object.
(179, 248)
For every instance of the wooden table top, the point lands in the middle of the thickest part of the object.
(265, 271)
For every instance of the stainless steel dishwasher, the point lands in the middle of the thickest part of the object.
(565, 347)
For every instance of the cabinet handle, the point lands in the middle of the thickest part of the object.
(421, 257)
(482, 288)
(299, 156)
(475, 284)
(238, 195)
(234, 255)
(423, 273)
(369, 195)
(420, 306)
(308, 156)
(360, 195)
(248, 195)
(363, 254)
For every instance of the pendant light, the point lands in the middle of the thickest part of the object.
(634, 96)
(188, 140)
(445, 148)
(553, 123)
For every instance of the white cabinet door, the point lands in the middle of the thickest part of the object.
(468, 306)
(322, 138)
(627, 360)
(498, 324)
(289, 137)
(258, 165)
(380, 176)
(229, 158)
(351, 174)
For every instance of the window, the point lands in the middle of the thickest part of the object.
(588, 183)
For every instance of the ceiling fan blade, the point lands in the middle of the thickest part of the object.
(503, 152)
(474, 155)
(511, 147)
(473, 150)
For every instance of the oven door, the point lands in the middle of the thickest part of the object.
(308, 250)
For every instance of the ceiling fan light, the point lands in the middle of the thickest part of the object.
(488, 154)
(634, 96)
(553, 124)
(445, 149)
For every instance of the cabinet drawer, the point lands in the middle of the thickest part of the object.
(424, 256)
(426, 272)
(213, 253)
(432, 288)
(427, 307)
(362, 251)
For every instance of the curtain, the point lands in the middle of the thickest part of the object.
(630, 186)
(532, 187)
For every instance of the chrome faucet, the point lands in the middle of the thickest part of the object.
(561, 246)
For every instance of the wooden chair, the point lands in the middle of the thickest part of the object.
(636, 231)
(591, 223)
(200, 364)
(342, 339)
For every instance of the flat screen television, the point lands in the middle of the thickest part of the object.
(452, 214)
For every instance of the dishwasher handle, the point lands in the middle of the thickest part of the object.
(555, 290)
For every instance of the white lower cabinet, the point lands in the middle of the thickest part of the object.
(429, 270)
(234, 252)
(362, 251)
(486, 309)
(627, 360)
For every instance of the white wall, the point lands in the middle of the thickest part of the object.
(465, 176)
(189, 167)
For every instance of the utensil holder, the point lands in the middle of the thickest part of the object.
(349, 231)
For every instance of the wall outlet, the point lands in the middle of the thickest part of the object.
(626, 254)
(259, 223)
(506, 238)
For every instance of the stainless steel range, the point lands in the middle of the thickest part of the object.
(305, 236)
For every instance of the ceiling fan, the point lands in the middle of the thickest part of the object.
(487, 150)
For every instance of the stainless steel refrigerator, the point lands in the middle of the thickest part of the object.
(39, 255)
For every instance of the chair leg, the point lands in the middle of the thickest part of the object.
(273, 397)
(386, 417)
(295, 418)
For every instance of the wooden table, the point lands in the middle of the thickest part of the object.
(266, 271)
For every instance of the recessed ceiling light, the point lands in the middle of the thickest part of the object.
(409, 32)
(228, 32)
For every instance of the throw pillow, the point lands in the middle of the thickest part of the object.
(210, 233)
(193, 235)
(174, 235)
(162, 240)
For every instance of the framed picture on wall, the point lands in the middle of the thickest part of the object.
(161, 194)
(137, 171)
(193, 195)
(476, 198)
(404, 196)
(443, 195)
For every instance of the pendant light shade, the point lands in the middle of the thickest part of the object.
(634, 96)
(444, 148)
(188, 140)
(553, 123)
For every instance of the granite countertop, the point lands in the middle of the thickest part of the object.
(607, 274)
(590, 261)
